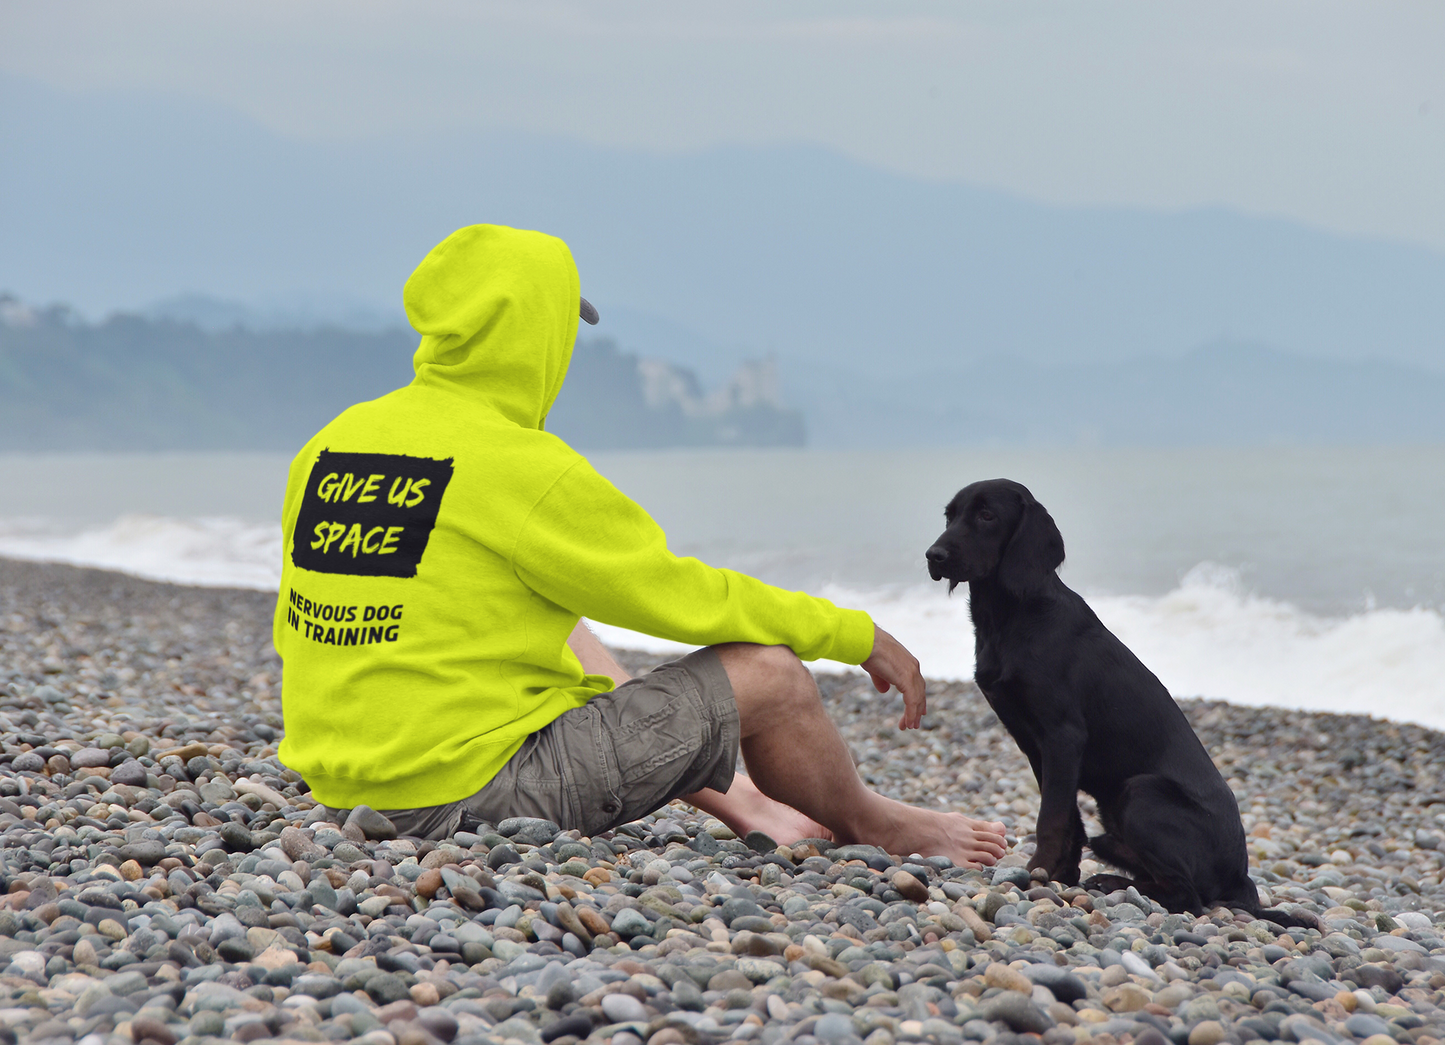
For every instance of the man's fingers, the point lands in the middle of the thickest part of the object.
(892, 665)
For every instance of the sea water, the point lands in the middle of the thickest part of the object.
(1311, 578)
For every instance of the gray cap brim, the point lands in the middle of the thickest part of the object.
(588, 313)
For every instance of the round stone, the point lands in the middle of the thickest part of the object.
(129, 772)
(237, 838)
(374, 826)
(1000, 975)
(90, 758)
(1018, 1011)
(759, 970)
(909, 887)
(207, 1024)
(428, 883)
(623, 1008)
(28, 762)
(1137, 966)
(833, 1026)
(1363, 1025)
(528, 830)
(628, 923)
(386, 988)
(1018, 876)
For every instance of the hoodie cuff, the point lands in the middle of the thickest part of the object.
(853, 641)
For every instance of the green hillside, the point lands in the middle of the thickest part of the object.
(133, 383)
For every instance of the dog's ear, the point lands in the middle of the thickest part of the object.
(1034, 552)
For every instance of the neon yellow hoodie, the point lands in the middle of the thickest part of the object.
(439, 547)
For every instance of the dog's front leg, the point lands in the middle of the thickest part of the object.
(1060, 830)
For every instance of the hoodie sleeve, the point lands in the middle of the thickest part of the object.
(588, 547)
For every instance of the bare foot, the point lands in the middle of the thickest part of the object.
(744, 808)
(965, 841)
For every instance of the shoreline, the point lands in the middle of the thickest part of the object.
(168, 880)
(646, 657)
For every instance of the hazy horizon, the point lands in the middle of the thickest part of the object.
(1328, 115)
(892, 200)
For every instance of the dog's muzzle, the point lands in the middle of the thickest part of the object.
(937, 557)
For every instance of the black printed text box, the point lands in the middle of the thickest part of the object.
(369, 515)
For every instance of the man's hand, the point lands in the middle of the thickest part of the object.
(891, 664)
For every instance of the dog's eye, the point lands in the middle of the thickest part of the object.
(984, 515)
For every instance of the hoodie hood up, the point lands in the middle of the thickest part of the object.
(497, 311)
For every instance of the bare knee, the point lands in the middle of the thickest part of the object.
(739, 658)
(768, 681)
(780, 661)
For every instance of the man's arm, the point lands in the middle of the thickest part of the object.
(589, 548)
(595, 657)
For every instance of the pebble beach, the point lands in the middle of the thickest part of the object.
(165, 879)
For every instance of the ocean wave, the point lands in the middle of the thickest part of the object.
(206, 552)
(1209, 637)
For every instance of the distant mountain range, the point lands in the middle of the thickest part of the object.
(138, 383)
(897, 311)
(705, 259)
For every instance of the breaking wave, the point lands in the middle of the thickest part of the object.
(1208, 637)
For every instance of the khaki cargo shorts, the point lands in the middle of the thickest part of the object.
(618, 757)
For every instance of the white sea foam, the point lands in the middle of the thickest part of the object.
(1208, 637)
(210, 552)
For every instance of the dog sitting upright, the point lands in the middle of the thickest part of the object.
(1088, 715)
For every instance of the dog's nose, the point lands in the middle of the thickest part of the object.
(936, 555)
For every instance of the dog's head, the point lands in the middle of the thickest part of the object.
(995, 528)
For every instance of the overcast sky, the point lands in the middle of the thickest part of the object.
(1329, 113)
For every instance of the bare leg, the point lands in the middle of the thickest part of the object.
(800, 765)
(744, 808)
(796, 756)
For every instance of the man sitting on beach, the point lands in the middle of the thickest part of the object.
(440, 550)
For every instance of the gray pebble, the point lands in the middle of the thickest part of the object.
(833, 1027)
(1018, 876)
(385, 988)
(146, 852)
(90, 758)
(526, 830)
(130, 772)
(372, 825)
(1018, 1011)
(623, 1008)
(353, 890)
(628, 923)
(1362, 1025)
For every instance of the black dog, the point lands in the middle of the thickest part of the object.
(1090, 716)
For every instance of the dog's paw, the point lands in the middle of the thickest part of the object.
(1064, 874)
(1107, 883)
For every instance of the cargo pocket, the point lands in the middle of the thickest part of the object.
(593, 782)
